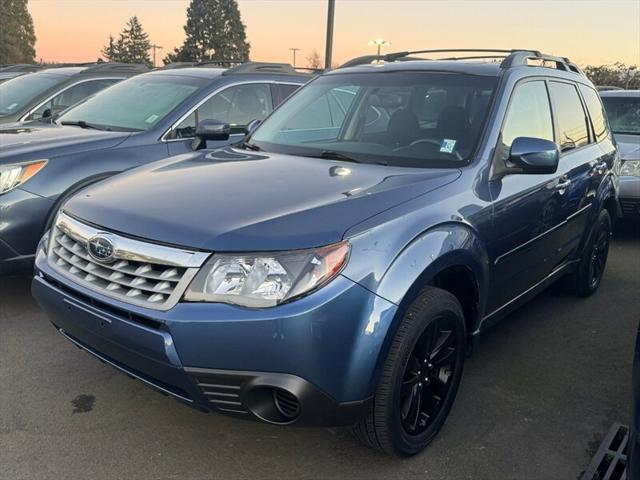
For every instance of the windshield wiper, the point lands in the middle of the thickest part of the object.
(83, 124)
(250, 146)
(333, 155)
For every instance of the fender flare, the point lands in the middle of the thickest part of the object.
(453, 244)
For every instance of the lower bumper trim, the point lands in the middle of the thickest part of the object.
(240, 392)
(167, 390)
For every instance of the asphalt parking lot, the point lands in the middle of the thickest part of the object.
(535, 400)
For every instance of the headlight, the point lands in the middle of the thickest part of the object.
(16, 174)
(631, 168)
(266, 279)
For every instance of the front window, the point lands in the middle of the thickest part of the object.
(236, 105)
(623, 114)
(19, 92)
(136, 104)
(71, 96)
(411, 119)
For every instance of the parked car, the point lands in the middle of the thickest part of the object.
(7, 72)
(623, 110)
(143, 119)
(334, 268)
(44, 93)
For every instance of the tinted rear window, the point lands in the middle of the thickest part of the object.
(572, 122)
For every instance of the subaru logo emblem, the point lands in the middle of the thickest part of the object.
(101, 249)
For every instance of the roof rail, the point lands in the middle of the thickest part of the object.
(261, 67)
(511, 58)
(116, 67)
(21, 67)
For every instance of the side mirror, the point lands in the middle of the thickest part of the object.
(210, 130)
(533, 156)
(251, 126)
(53, 112)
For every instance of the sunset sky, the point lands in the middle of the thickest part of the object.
(587, 31)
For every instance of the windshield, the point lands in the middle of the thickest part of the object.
(19, 92)
(136, 104)
(623, 114)
(411, 119)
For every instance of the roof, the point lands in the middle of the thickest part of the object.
(620, 93)
(64, 71)
(456, 66)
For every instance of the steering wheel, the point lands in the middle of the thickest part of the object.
(437, 144)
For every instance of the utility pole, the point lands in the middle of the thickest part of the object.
(329, 49)
(155, 47)
(294, 50)
(379, 43)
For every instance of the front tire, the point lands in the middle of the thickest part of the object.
(588, 276)
(420, 377)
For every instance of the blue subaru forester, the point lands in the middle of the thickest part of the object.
(335, 266)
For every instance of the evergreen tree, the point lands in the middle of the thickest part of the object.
(131, 47)
(110, 50)
(17, 37)
(214, 31)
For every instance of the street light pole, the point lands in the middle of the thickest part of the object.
(155, 47)
(294, 50)
(329, 48)
(379, 43)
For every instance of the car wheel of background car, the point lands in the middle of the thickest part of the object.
(586, 279)
(420, 377)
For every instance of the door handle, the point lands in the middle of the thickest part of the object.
(601, 167)
(563, 184)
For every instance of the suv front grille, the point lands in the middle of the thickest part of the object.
(140, 273)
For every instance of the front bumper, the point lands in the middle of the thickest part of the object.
(22, 219)
(629, 197)
(312, 362)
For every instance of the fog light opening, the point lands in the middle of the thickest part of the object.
(273, 404)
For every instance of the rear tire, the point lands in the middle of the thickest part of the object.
(588, 276)
(420, 377)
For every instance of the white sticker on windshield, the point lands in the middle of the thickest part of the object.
(151, 119)
(12, 106)
(447, 145)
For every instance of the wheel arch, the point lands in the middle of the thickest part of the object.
(449, 256)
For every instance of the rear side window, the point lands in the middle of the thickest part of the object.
(529, 114)
(572, 121)
(596, 112)
(282, 91)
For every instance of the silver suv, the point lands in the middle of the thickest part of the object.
(623, 110)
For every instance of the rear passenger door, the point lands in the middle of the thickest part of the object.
(580, 165)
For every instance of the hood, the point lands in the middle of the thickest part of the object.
(629, 146)
(29, 141)
(229, 200)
